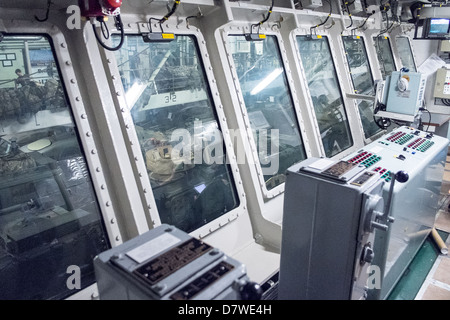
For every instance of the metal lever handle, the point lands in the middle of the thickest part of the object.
(402, 177)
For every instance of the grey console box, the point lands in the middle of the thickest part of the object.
(166, 263)
(327, 234)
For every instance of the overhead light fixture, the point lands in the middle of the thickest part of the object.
(158, 37)
(255, 37)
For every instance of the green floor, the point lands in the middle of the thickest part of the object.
(410, 283)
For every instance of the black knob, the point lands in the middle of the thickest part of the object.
(401, 176)
(251, 291)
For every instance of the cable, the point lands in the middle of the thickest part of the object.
(329, 15)
(165, 18)
(349, 14)
(429, 117)
(264, 20)
(364, 22)
(382, 123)
(119, 26)
(49, 3)
(171, 12)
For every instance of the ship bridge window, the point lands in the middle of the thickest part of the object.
(49, 216)
(326, 95)
(362, 81)
(269, 106)
(405, 53)
(173, 112)
(385, 56)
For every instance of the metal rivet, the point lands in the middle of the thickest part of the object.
(83, 116)
(72, 80)
(98, 169)
(113, 220)
(93, 151)
(68, 63)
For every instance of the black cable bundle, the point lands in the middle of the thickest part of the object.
(264, 20)
(105, 32)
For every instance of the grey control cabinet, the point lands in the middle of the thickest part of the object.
(166, 263)
(330, 211)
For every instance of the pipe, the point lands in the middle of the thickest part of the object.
(440, 243)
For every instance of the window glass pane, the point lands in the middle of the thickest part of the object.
(405, 53)
(384, 54)
(49, 215)
(269, 106)
(362, 81)
(178, 131)
(325, 94)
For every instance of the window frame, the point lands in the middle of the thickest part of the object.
(370, 64)
(87, 140)
(387, 37)
(242, 110)
(410, 49)
(339, 77)
(135, 153)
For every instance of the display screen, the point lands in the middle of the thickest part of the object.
(439, 26)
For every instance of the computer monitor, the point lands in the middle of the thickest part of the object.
(437, 28)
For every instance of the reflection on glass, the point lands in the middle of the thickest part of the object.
(405, 53)
(49, 215)
(325, 93)
(384, 54)
(176, 124)
(269, 106)
(362, 81)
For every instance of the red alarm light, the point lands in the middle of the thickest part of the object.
(111, 4)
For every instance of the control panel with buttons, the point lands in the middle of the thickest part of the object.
(421, 155)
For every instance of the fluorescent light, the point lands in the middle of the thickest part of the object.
(266, 81)
(134, 93)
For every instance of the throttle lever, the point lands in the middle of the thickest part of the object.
(401, 176)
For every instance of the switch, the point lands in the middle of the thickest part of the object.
(367, 254)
